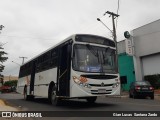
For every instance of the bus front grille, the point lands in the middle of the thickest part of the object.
(101, 77)
(96, 92)
(100, 85)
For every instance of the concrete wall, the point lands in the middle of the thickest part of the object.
(146, 43)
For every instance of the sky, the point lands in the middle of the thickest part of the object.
(33, 26)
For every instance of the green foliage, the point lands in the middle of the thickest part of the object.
(2, 53)
(1, 67)
(11, 83)
(154, 80)
(1, 79)
(2, 59)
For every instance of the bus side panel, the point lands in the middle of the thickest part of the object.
(42, 81)
(21, 84)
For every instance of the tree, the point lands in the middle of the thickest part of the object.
(2, 59)
(11, 83)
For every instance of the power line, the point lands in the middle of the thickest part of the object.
(26, 37)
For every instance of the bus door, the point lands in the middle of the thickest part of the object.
(32, 78)
(64, 65)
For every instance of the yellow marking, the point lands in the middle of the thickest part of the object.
(2, 103)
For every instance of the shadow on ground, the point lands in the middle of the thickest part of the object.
(73, 104)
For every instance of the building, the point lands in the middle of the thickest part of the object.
(9, 78)
(146, 54)
(126, 66)
(146, 41)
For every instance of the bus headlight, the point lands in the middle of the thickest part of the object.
(115, 85)
(81, 81)
(76, 80)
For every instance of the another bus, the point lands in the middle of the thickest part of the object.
(82, 66)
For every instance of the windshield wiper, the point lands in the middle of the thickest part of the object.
(92, 50)
(98, 54)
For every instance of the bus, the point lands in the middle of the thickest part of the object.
(82, 66)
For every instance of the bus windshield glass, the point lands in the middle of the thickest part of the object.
(94, 59)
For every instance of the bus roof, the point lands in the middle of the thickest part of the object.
(63, 41)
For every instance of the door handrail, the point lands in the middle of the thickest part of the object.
(63, 73)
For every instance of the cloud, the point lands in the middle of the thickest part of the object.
(32, 26)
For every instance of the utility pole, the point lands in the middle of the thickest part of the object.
(23, 59)
(114, 35)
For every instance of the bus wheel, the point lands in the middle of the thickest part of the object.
(91, 99)
(25, 93)
(53, 97)
(27, 97)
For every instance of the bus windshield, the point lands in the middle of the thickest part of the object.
(94, 59)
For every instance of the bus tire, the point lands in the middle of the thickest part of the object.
(54, 100)
(91, 99)
(27, 97)
(25, 93)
